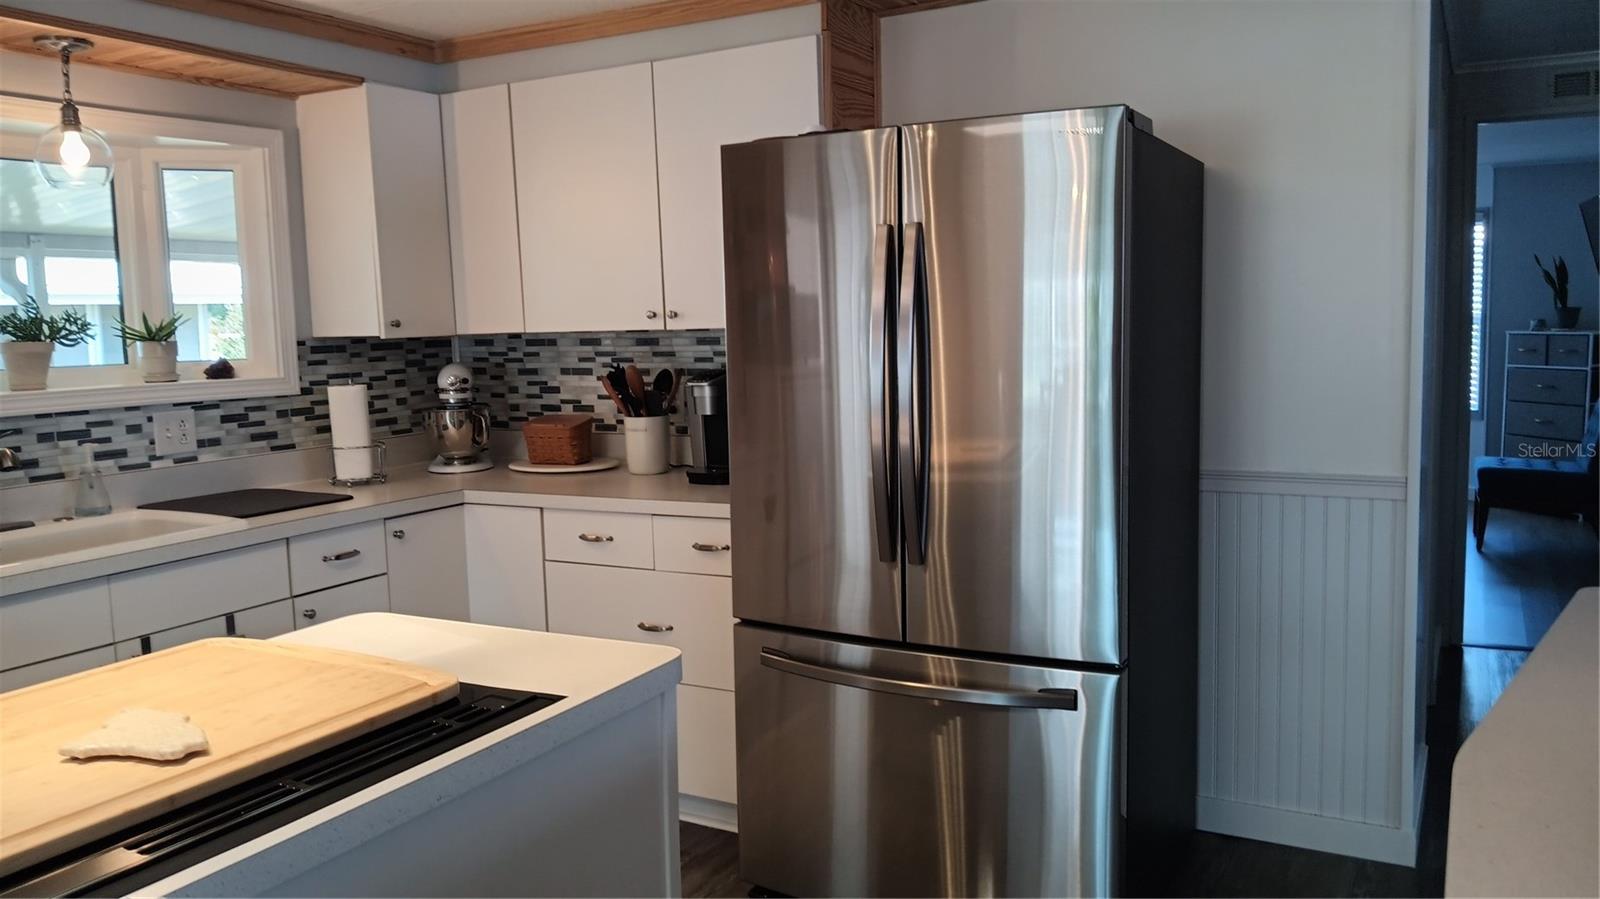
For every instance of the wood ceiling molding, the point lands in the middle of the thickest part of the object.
(160, 57)
(850, 65)
(310, 23)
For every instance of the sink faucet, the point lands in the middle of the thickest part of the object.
(10, 459)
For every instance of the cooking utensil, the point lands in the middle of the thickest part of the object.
(662, 383)
(672, 395)
(636, 387)
(619, 386)
(611, 391)
(318, 698)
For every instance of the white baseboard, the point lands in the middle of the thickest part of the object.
(708, 812)
(1396, 846)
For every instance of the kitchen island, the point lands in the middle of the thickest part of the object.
(577, 799)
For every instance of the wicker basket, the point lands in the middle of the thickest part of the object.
(559, 439)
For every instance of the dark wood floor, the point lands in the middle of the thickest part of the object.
(1529, 568)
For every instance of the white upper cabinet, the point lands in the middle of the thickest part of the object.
(701, 103)
(585, 156)
(377, 230)
(480, 184)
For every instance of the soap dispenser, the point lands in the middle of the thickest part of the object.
(93, 499)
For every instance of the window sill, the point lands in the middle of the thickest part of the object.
(100, 396)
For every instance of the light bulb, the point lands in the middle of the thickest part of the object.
(74, 153)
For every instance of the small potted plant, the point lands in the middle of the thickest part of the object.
(34, 338)
(158, 346)
(1566, 316)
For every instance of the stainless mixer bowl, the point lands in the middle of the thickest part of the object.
(459, 433)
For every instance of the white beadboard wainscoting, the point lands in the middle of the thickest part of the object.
(1304, 711)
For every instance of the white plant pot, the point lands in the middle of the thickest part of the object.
(27, 363)
(158, 362)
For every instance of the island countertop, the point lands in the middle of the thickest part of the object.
(600, 680)
(1525, 790)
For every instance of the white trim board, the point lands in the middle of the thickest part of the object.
(1280, 483)
(1392, 845)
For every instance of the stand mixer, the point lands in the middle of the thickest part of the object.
(458, 427)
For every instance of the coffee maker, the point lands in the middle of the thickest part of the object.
(707, 407)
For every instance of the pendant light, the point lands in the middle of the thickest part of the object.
(70, 155)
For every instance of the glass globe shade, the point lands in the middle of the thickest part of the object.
(73, 156)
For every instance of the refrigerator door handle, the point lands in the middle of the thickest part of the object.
(880, 354)
(1066, 699)
(913, 392)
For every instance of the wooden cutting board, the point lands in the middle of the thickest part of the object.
(261, 705)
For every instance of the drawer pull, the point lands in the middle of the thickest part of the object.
(710, 547)
(1566, 349)
(1543, 421)
(309, 614)
(341, 557)
(654, 628)
(398, 534)
(596, 538)
(1526, 349)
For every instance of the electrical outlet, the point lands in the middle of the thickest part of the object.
(174, 432)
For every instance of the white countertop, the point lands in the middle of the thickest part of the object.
(600, 679)
(410, 489)
(1525, 790)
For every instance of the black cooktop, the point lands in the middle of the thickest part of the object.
(142, 854)
(249, 503)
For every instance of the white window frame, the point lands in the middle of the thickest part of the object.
(144, 145)
(1477, 319)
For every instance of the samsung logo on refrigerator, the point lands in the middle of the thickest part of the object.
(1097, 129)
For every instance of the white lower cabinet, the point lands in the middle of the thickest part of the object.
(706, 744)
(262, 622)
(428, 564)
(505, 566)
(370, 595)
(50, 669)
(53, 622)
(166, 596)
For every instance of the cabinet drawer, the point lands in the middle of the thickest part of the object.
(328, 558)
(706, 765)
(1525, 349)
(1544, 420)
(1568, 349)
(187, 633)
(693, 545)
(370, 595)
(262, 622)
(598, 538)
(55, 621)
(689, 611)
(39, 672)
(1546, 385)
(163, 597)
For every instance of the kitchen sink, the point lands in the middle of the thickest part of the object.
(81, 539)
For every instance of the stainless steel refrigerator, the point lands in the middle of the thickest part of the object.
(963, 381)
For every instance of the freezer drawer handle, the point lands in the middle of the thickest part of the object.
(340, 557)
(1038, 699)
(710, 547)
(596, 538)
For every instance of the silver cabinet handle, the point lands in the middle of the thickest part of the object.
(1543, 421)
(710, 547)
(309, 614)
(651, 314)
(340, 557)
(398, 534)
(1526, 349)
(394, 322)
(654, 628)
(1036, 699)
(596, 538)
(1566, 349)
(672, 313)
(1545, 386)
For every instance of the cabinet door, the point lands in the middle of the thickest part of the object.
(55, 621)
(505, 566)
(703, 102)
(166, 596)
(428, 564)
(336, 188)
(585, 155)
(39, 672)
(480, 182)
(413, 226)
(371, 595)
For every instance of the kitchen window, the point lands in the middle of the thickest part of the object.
(193, 222)
(1480, 290)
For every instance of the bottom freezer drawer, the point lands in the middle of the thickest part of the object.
(871, 771)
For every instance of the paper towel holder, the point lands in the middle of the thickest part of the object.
(379, 473)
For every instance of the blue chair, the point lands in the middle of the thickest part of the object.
(1567, 486)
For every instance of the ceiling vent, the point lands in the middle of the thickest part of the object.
(1577, 83)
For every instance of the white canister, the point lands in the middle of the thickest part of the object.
(646, 438)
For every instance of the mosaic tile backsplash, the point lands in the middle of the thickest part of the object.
(519, 376)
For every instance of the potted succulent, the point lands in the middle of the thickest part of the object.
(158, 346)
(34, 338)
(1566, 316)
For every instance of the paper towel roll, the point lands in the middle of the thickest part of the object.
(352, 431)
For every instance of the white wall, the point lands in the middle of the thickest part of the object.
(1303, 114)
(1308, 118)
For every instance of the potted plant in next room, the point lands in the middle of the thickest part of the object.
(158, 346)
(34, 338)
(1566, 316)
